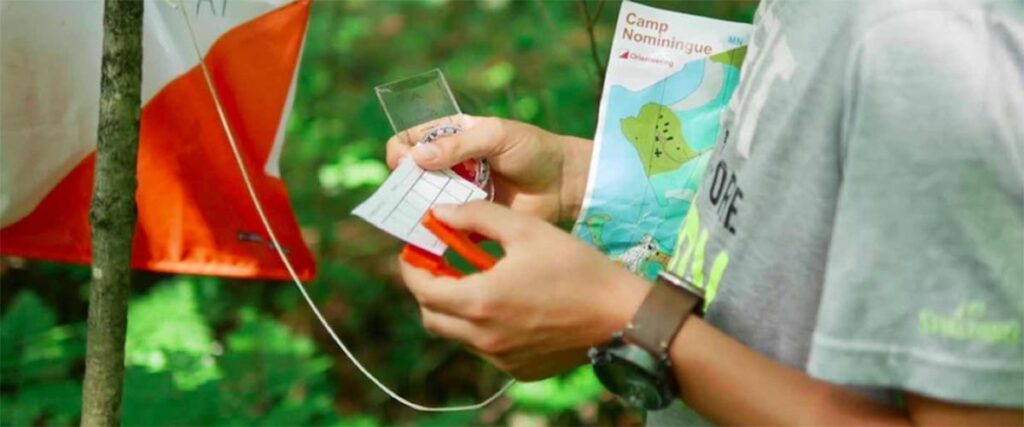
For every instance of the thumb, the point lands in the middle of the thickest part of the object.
(489, 219)
(483, 137)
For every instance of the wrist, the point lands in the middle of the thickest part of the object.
(576, 154)
(623, 294)
(636, 365)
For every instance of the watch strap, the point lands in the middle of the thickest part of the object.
(669, 302)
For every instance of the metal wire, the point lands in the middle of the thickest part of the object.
(288, 265)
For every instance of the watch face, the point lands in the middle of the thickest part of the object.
(637, 385)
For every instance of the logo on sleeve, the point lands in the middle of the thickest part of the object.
(968, 323)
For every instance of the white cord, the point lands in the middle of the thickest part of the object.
(288, 264)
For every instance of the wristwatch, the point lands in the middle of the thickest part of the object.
(635, 364)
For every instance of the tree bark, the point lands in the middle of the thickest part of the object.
(113, 212)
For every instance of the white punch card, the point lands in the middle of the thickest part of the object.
(399, 205)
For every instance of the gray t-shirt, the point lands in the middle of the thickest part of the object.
(862, 218)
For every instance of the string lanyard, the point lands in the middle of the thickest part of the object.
(284, 257)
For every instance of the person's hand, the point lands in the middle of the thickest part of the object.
(540, 307)
(534, 171)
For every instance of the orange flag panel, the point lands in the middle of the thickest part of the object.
(195, 214)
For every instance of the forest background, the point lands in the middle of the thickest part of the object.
(214, 351)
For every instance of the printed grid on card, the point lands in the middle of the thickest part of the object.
(400, 204)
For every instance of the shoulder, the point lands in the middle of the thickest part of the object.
(939, 68)
(938, 35)
(924, 17)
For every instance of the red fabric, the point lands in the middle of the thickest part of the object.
(191, 198)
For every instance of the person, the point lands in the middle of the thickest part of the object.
(863, 213)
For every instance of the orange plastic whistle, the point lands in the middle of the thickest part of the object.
(462, 243)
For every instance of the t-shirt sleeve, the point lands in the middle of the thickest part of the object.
(924, 286)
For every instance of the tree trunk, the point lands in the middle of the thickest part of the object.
(113, 213)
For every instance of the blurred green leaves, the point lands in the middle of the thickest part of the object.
(166, 333)
(34, 346)
(262, 374)
(558, 394)
(349, 32)
(498, 76)
(36, 357)
(177, 373)
(351, 170)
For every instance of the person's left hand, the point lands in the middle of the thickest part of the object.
(540, 307)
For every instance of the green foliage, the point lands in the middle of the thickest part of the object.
(559, 394)
(177, 373)
(36, 357)
(355, 167)
(34, 346)
(208, 351)
(263, 374)
(183, 346)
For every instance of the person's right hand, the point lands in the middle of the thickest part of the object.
(534, 171)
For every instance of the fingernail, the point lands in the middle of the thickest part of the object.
(425, 152)
(443, 210)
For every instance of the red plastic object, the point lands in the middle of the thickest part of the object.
(460, 242)
(422, 259)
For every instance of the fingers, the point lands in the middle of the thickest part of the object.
(481, 137)
(440, 294)
(494, 221)
(416, 133)
(396, 150)
(448, 326)
(400, 144)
